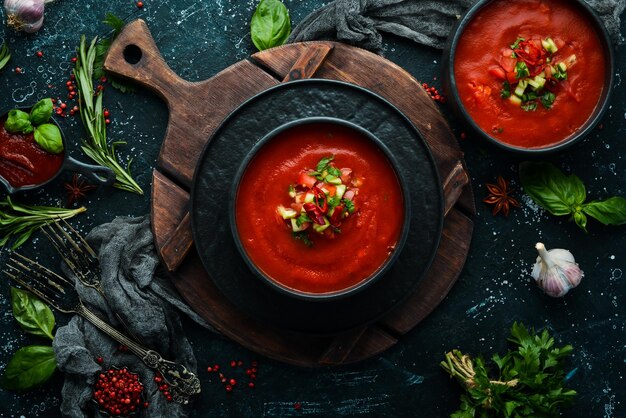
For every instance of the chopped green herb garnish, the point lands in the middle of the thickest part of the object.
(521, 70)
(349, 206)
(531, 95)
(529, 106)
(516, 43)
(302, 219)
(505, 93)
(334, 202)
(559, 73)
(334, 171)
(547, 100)
(323, 164)
(304, 237)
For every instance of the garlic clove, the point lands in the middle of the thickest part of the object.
(556, 271)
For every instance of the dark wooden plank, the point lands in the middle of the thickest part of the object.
(341, 346)
(170, 203)
(309, 62)
(178, 244)
(454, 185)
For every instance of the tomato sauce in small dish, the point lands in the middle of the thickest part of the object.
(319, 208)
(23, 162)
(531, 73)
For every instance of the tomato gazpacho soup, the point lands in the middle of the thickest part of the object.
(530, 73)
(319, 208)
(23, 162)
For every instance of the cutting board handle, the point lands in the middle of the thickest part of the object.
(134, 56)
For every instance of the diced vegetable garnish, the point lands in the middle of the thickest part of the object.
(321, 200)
(532, 72)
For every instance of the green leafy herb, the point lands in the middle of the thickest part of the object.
(34, 316)
(548, 99)
(559, 73)
(563, 195)
(302, 219)
(323, 163)
(30, 366)
(20, 221)
(515, 45)
(48, 137)
(304, 237)
(529, 106)
(41, 112)
(529, 380)
(505, 93)
(334, 201)
(5, 55)
(333, 171)
(18, 122)
(270, 25)
(521, 70)
(91, 112)
(349, 206)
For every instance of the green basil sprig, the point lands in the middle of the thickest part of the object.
(30, 366)
(270, 25)
(34, 316)
(563, 195)
(34, 364)
(48, 137)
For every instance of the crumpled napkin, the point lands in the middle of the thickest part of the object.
(428, 22)
(145, 302)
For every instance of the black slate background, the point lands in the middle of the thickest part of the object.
(198, 39)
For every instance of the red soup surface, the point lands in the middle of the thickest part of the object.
(368, 236)
(23, 162)
(484, 62)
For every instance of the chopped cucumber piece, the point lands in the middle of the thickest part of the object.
(341, 190)
(515, 100)
(287, 213)
(537, 83)
(309, 197)
(562, 66)
(292, 191)
(321, 228)
(332, 179)
(521, 87)
(549, 45)
(295, 227)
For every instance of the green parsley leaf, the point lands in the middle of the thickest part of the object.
(548, 99)
(505, 93)
(529, 106)
(515, 45)
(323, 164)
(333, 171)
(349, 205)
(521, 70)
(303, 218)
(333, 201)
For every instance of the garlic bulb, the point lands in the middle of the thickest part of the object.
(556, 271)
(26, 15)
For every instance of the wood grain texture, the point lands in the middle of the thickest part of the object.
(185, 140)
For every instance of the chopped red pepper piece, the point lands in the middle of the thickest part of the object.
(335, 218)
(314, 213)
(320, 199)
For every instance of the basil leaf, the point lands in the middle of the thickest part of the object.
(41, 112)
(581, 220)
(30, 366)
(270, 25)
(18, 122)
(48, 136)
(610, 212)
(31, 313)
(551, 189)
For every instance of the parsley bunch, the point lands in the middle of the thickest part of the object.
(529, 381)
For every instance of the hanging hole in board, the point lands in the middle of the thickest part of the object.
(132, 54)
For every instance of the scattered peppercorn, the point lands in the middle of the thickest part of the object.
(18, 70)
(140, 4)
(39, 54)
(297, 406)
(434, 93)
(100, 360)
(463, 135)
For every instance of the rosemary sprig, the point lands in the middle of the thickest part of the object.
(5, 55)
(20, 220)
(96, 146)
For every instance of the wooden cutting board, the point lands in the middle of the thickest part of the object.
(135, 56)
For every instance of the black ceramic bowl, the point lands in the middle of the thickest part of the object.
(366, 282)
(102, 176)
(450, 83)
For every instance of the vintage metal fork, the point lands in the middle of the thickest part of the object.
(80, 258)
(60, 294)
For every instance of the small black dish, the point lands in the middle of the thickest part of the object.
(450, 84)
(366, 282)
(232, 142)
(102, 176)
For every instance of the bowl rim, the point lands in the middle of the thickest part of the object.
(594, 118)
(366, 282)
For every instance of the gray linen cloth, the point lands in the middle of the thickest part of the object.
(428, 22)
(145, 302)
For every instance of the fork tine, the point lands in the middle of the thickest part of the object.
(84, 243)
(37, 278)
(34, 285)
(54, 233)
(42, 270)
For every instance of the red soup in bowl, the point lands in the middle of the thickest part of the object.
(531, 73)
(319, 209)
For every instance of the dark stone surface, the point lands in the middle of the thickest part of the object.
(198, 39)
(223, 158)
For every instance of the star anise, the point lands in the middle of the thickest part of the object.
(500, 196)
(77, 189)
